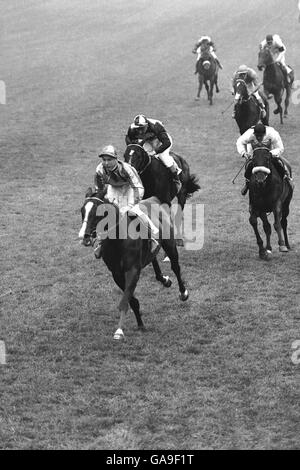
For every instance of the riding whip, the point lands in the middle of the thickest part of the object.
(238, 173)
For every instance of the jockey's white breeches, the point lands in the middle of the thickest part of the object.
(124, 198)
(165, 156)
(280, 57)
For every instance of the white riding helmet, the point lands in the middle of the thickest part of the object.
(110, 151)
(140, 121)
(242, 68)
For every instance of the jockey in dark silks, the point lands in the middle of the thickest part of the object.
(153, 137)
(263, 136)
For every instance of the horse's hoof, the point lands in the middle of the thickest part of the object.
(167, 281)
(184, 295)
(268, 255)
(197, 99)
(142, 328)
(262, 254)
(276, 111)
(283, 249)
(119, 334)
(166, 259)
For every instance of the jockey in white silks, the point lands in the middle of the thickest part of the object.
(124, 188)
(264, 136)
(251, 80)
(205, 44)
(277, 48)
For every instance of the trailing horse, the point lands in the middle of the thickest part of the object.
(207, 69)
(275, 81)
(157, 179)
(126, 255)
(247, 109)
(269, 192)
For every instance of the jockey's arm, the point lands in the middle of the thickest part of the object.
(263, 44)
(242, 141)
(278, 43)
(135, 182)
(130, 137)
(165, 142)
(98, 179)
(276, 143)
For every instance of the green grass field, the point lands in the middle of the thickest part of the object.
(212, 373)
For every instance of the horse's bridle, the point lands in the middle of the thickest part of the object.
(263, 169)
(149, 157)
(242, 99)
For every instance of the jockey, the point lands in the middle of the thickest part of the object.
(152, 135)
(251, 79)
(263, 136)
(123, 188)
(205, 44)
(278, 50)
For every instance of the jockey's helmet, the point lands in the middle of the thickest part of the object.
(140, 121)
(110, 151)
(269, 39)
(259, 129)
(243, 68)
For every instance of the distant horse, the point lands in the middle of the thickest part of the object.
(275, 81)
(207, 69)
(268, 192)
(125, 255)
(247, 110)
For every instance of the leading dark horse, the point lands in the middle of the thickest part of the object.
(126, 255)
(247, 110)
(268, 192)
(275, 81)
(207, 69)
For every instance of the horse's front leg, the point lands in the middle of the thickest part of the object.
(165, 280)
(278, 227)
(131, 280)
(287, 100)
(171, 250)
(267, 229)
(279, 110)
(200, 85)
(211, 91)
(253, 223)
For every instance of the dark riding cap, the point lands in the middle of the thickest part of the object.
(259, 129)
(110, 151)
(269, 38)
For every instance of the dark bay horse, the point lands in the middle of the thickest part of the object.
(126, 255)
(275, 81)
(247, 109)
(207, 69)
(157, 180)
(268, 192)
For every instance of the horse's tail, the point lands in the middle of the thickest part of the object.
(192, 185)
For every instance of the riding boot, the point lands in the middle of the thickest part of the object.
(263, 110)
(97, 245)
(196, 69)
(245, 188)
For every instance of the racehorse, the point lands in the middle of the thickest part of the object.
(157, 179)
(275, 81)
(207, 69)
(247, 110)
(268, 192)
(126, 255)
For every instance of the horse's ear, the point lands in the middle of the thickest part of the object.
(89, 192)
